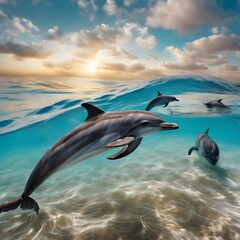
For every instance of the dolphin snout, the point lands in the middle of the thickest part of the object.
(168, 126)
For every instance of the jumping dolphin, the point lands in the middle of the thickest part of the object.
(216, 103)
(206, 148)
(160, 100)
(100, 131)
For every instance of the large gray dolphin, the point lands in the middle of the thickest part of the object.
(206, 148)
(160, 100)
(216, 104)
(101, 131)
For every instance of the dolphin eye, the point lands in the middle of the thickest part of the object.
(144, 122)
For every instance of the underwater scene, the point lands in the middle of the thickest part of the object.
(156, 192)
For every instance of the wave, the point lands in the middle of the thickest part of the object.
(192, 92)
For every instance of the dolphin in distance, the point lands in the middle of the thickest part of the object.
(206, 148)
(160, 100)
(99, 132)
(216, 104)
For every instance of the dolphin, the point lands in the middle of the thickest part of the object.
(99, 132)
(216, 103)
(206, 148)
(160, 100)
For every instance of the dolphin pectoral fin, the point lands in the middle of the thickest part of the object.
(165, 105)
(120, 142)
(92, 110)
(191, 149)
(29, 203)
(126, 150)
(159, 94)
(219, 100)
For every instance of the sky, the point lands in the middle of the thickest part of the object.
(123, 40)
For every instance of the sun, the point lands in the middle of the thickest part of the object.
(91, 67)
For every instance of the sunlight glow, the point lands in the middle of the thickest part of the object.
(91, 67)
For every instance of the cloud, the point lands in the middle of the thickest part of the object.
(230, 67)
(237, 54)
(152, 57)
(82, 3)
(21, 26)
(103, 36)
(87, 8)
(106, 37)
(110, 7)
(142, 38)
(65, 67)
(90, 4)
(117, 66)
(54, 33)
(219, 30)
(208, 55)
(15, 26)
(184, 66)
(22, 50)
(185, 15)
(129, 2)
(4, 1)
(124, 13)
(3, 15)
(185, 57)
(120, 53)
(131, 72)
(146, 42)
(136, 70)
(215, 43)
(210, 51)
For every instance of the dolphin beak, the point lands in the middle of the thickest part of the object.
(168, 126)
(212, 161)
(177, 99)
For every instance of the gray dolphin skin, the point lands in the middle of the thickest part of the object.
(206, 148)
(98, 133)
(160, 100)
(216, 103)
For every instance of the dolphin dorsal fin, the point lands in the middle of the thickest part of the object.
(159, 94)
(92, 110)
(219, 100)
(207, 131)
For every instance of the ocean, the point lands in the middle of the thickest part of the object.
(156, 192)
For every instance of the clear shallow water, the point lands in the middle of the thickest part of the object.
(157, 192)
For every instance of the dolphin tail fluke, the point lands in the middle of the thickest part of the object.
(24, 203)
(11, 205)
(191, 149)
(29, 203)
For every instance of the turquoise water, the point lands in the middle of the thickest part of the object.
(157, 192)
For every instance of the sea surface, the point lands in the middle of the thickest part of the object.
(157, 192)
